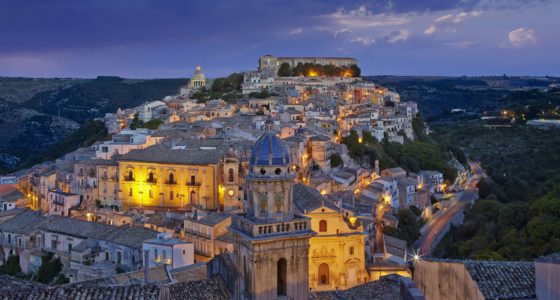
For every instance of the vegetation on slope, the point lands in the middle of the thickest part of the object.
(518, 215)
(426, 153)
(94, 98)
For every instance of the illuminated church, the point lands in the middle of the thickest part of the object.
(271, 242)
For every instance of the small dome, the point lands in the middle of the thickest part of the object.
(198, 74)
(269, 150)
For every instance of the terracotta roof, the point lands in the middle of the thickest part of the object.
(551, 259)
(177, 155)
(503, 280)
(307, 199)
(386, 288)
(189, 273)
(207, 289)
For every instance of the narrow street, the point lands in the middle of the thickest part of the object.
(426, 243)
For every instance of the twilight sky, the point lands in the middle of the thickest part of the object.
(157, 39)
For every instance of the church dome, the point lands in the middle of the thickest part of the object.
(269, 150)
(198, 75)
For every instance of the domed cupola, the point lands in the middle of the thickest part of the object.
(269, 150)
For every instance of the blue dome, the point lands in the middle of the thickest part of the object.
(269, 150)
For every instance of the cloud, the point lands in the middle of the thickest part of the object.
(401, 35)
(458, 18)
(522, 36)
(460, 44)
(363, 18)
(430, 30)
(296, 31)
(341, 31)
(364, 40)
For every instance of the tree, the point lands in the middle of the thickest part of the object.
(11, 267)
(336, 160)
(284, 70)
(356, 71)
(136, 122)
(49, 269)
(153, 124)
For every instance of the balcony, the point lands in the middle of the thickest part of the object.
(151, 181)
(193, 183)
(170, 182)
(109, 177)
(129, 178)
(270, 229)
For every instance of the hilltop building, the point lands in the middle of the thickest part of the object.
(269, 64)
(198, 80)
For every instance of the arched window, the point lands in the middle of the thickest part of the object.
(231, 175)
(171, 178)
(193, 179)
(151, 176)
(323, 274)
(281, 277)
(130, 175)
(170, 195)
(322, 226)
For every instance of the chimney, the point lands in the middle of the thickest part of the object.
(146, 266)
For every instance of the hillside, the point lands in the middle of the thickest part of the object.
(436, 96)
(37, 115)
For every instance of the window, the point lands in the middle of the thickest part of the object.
(53, 244)
(281, 277)
(69, 248)
(351, 250)
(231, 175)
(130, 192)
(104, 149)
(151, 177)
(322, 226)
(107, 255)
(184, 252)
(193, 179)
(170, 195)
(119, 257)
(171, 178)
(150, 193)
(323, 274)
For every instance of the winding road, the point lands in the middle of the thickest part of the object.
(426, 243)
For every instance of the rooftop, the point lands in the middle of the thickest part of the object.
(503, 280)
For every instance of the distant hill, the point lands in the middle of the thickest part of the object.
(37, 114)
(437, 95)
(94, 98)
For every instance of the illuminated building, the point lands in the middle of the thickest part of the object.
(271, 241)
(205, 177)
(337, 252)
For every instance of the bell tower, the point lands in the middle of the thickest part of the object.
(271, 241)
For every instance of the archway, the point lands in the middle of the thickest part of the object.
(192, 199)
(324, 274)
(281, 277)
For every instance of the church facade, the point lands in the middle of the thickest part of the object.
(271, 241)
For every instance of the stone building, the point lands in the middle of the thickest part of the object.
(178, 176)
(271, 241)
(337, 252)
(269, 64)
(198, 80)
